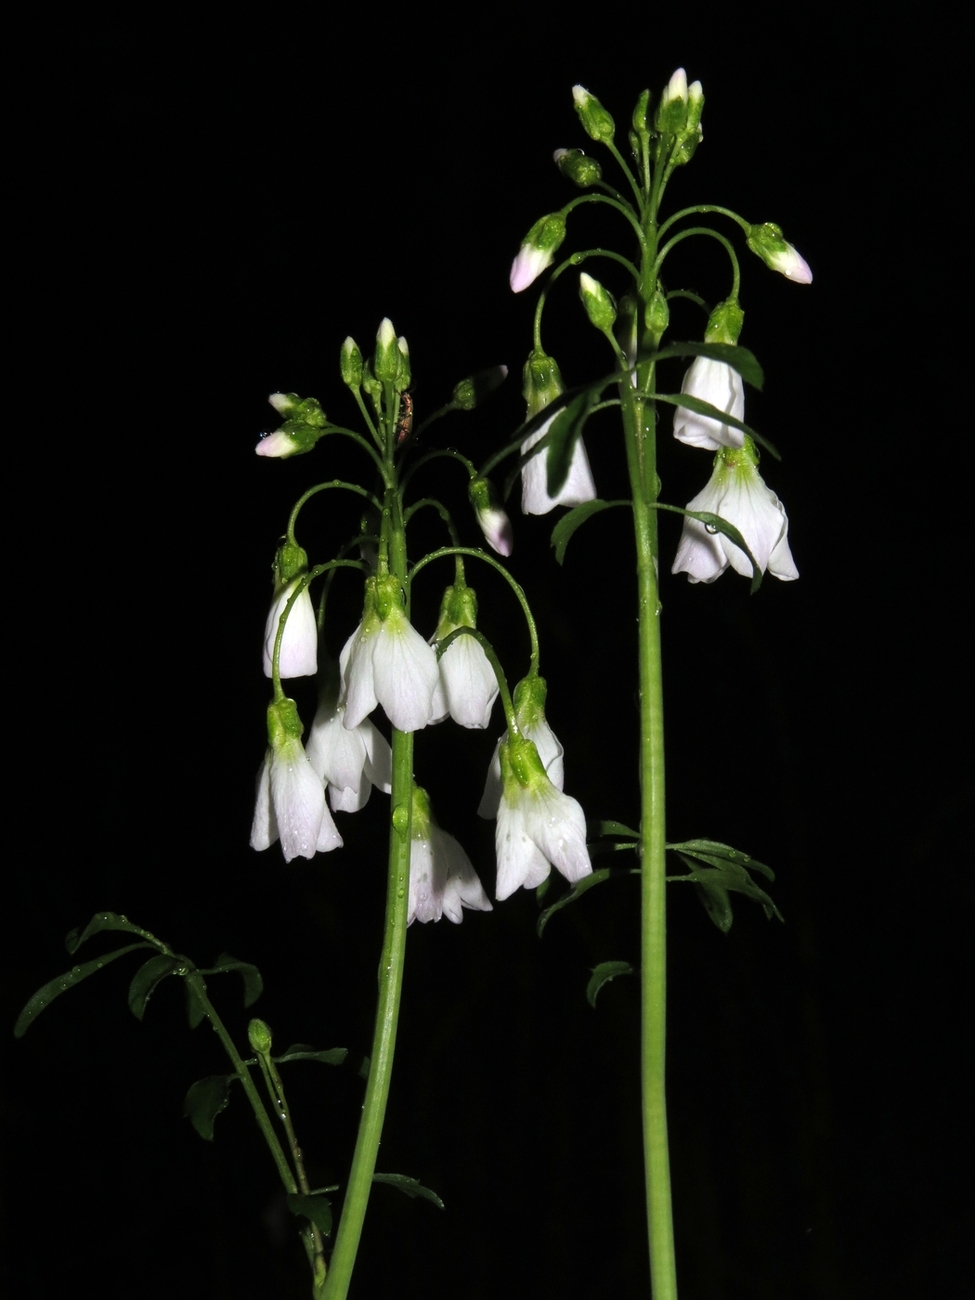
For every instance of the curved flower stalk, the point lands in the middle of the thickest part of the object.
(386, 661)
(538, 826)
(290, 803)
(736, 492)
(349, 760)
(468, 685)
(542, 385)
(529, 703)
(442, 879)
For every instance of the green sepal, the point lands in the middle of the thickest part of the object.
(567, 525)
(316, 1209)
(148, 977)
(54, 988)
(104, 921)
(705, 408)
(411, 1186)
(739, 358)
(205, 1100)
(602, 974)
(253, 983)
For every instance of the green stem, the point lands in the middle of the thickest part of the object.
(387, 1014)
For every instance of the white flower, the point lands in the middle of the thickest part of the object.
(290, 803)
(576, 489)
(299, 643)
(791, 264)
(538, 826)
(739, 495)
(717, 383)
(529, 702)
(350, 761)
(468, 684)
(386, 661)
(442, 879)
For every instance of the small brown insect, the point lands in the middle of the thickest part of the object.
(404, 425)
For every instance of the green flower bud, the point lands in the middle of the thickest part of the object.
(259, 1037)
(386, 359)
(290, 562)
(767, 242)
(301, 430)
(596, 122)
(640, 116)
(672, 109)
(403, 365)
(351, 363)
(283, 723)
(537, 251)
(656, 316)
(470, 392)
(598, 303)
(580, 169)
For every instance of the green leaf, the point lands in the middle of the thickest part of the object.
(614, 828)
(715, 412)
(724, 874)
(712, 850)
(602, 974)
(567, 525)
(316, 1209)
(302, 1052)
(147, 977)
(410, 1186)
(713, 897)
(253, 983)
(739, 358)
(577, 890)
(105, 921)
(205, 1100)
(54, 988)
(562, 436)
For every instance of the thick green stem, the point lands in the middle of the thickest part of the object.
(387, 1015)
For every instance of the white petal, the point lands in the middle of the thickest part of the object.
(328, 836)
(299, 644)
(264, 829)
(577, 488)
(299, 801)
(406, 674)
(518, 855)
(469, 682)
(528, 266)
(550, 751)
(558, 826)
(463, 888)
(427, 880)
(714, 382)
(358, 676)
(700, 555)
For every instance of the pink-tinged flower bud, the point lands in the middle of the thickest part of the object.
(304, 424)
(492, 518)
(777, 253)
(537, 250)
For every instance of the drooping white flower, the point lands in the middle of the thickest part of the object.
(739, 495)
(350, 761)
(468, 685)
(542, 385)
(442, 879)
(299, 641)
(717, 383)
(538, 826)
(290, 803)
(529, 704)
(386, 661)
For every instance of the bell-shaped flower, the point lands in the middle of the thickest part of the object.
(442, 879)
(290, 803)
(537, 251)
(529, 704)
(542, 385)
(717, 383)
(299, 640)
(350, 761)
(538, 826)
(739, 495)
(468, 685)
(386, 661)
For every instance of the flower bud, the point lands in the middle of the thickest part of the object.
(598, 303)
(386, 360)
(725, 322)
(470, 392)
(542, 381)
(303, 427)
(672, 109)
(537, 250)
(492, 519)
(767, 242)
(259, 1037)
(640, 115)
(351, 363)
(582, 171)
(403, 365)
(656, 316)
(596, 122)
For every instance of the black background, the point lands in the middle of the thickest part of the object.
(203, 213)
